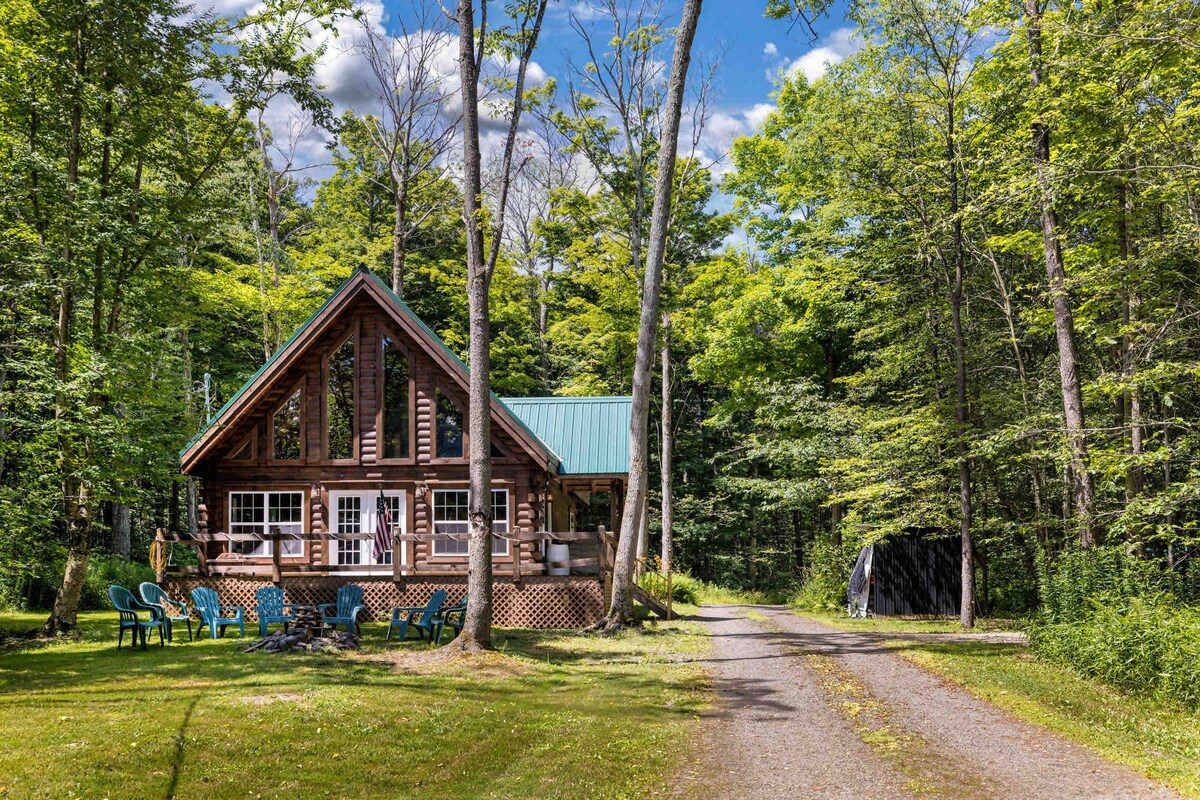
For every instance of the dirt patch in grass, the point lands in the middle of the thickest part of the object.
(268, 699)
(445, 660)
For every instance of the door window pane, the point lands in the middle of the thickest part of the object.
(349, 520)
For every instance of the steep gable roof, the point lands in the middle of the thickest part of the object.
(361, 282)
(590, 434)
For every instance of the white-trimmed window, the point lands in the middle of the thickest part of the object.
(354, 513)
(262, 514)
(450, 515)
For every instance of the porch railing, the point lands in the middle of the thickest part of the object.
(281, 566)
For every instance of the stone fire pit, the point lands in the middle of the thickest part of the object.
(308, 633)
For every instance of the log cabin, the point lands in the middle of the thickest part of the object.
(365, 402)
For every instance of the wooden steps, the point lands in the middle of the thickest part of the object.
(649, 601)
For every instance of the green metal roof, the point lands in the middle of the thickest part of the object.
(590, 435)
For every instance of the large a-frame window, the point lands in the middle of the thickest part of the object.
(450, 428)
(340, 401)
(285, 430)
(396, 398)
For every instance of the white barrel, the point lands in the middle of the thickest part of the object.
(558, 552)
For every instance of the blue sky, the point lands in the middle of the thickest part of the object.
(754, 51)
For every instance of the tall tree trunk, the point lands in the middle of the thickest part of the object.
(76, 491)
(477, 631)
(620, 610)
(668, 446)
(1056, 277)
(1035, 473)
(966, 510)
(477, 628)
(400, 239)
(643, 548)
(120, 530)
(189, 413)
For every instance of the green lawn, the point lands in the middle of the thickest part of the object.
(553, 715)
(1155, 740)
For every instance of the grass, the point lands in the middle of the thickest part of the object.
(553, 714)
(1158, 741)
(712, 593)
(909, 625)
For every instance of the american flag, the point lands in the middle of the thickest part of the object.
(383, 527)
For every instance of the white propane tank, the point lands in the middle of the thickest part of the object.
(558, 552)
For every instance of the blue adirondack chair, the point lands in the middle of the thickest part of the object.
(271, 609)
(211, 612)
(130, 611)
(454, 617)
(423, 618)
(173, 610)
(346, 610)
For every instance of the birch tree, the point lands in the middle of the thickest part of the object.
(620, 612)
(517, 45)
(413, 132)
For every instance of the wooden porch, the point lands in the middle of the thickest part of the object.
(524, 594)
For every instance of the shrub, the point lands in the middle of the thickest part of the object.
(826, 575)
(715, 593)
(105, 570)
(685, 588)
(1107, 616)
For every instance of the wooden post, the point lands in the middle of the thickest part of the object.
(276, 556)
(514, 548)
(158, 557)
(397, 557)
(605, 564)
(668, 595)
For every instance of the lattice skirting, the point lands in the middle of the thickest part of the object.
(537, 602)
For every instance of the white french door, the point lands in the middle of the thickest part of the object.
(355, 513)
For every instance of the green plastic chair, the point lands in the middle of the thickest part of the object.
(153, 595)
(130, 610)
(272, 610)
(454, 617)
(423, 618)
(209, 607)
(347, 608)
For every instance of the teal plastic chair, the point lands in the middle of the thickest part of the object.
(211, 612)
(272, 610)
(454, 617)
(130, 611)
(173, 610)
(423, 618)
(347, 608)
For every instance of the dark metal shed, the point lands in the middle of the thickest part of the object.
(917, 575)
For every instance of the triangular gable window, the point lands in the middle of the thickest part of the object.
(244, 451)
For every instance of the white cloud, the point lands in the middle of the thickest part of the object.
(770, 50)
(224, 8)
(833, 49)
(757, 114)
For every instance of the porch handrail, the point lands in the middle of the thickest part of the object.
(279, 565)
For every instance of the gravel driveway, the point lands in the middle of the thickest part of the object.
(809, 711)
